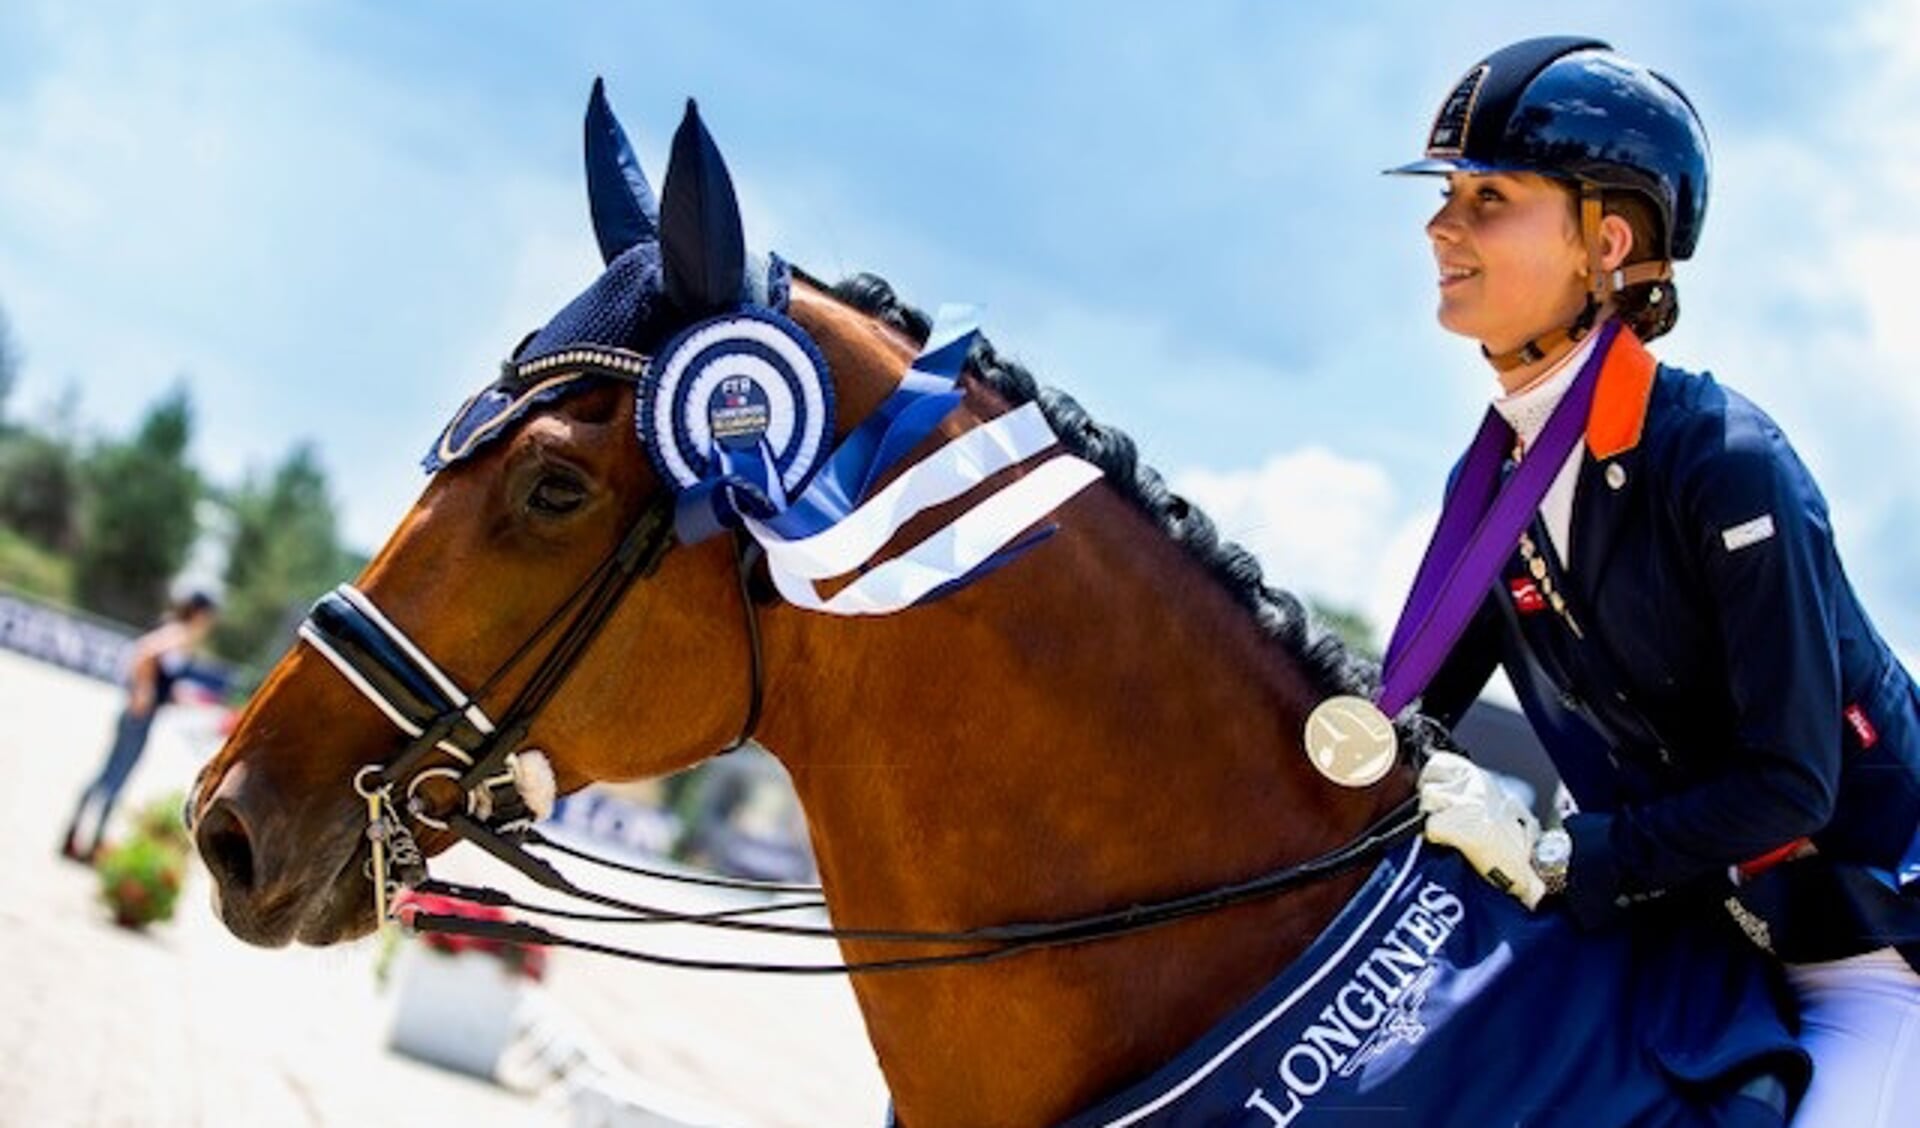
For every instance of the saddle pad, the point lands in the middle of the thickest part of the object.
(1436, 1000)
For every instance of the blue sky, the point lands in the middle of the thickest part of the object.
(332, 219)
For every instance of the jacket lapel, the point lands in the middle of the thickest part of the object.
(1610, 470)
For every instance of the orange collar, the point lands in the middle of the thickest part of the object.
(1619, 411)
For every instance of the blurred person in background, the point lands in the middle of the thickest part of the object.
(162, 658)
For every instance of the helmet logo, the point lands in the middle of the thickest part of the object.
(1449, 135)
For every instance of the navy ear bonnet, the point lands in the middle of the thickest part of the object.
(628, 307)
(734, 405)
(620, 320)
(625, 308)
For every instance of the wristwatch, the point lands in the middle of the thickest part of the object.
(1552, 853)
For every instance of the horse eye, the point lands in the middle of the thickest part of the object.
(556, 495)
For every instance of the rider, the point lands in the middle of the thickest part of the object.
(161, 657)
(1675, 620)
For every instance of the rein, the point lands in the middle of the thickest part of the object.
(1003, 939)
(425, 704)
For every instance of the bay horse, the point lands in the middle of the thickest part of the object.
(1113, 718)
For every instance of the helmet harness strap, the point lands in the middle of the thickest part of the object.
(1601, 285)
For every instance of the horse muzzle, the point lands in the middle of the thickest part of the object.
(266, 891)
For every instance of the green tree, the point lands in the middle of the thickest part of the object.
(9, 365)
(40, 487)
(1353, 627)
(285, 552)
(137, 522)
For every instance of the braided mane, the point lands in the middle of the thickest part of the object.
(1327, 663)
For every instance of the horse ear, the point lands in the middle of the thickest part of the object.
(700, 238)
(624, 214)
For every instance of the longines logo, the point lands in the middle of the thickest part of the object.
(1377, 1008)
(1402, 1024)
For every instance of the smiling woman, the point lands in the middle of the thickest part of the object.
(1674, 614)
(1510, 257)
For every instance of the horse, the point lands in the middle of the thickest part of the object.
(1111, 718)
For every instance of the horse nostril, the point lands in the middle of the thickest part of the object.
(225, 847)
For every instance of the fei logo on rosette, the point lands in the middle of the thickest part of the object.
(742, 400)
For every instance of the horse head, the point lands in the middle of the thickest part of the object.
(1113, 717)
(536, 482)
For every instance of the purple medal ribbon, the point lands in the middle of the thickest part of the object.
(1477, 532)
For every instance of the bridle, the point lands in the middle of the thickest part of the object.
(445, 723)
(486, 760)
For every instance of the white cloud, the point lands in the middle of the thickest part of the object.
(215, 193)
(1324, 525)
(1803, 297)
(337, 239)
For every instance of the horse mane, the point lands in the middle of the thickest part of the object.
(1328, 664)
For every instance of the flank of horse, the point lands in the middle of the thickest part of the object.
(1100, 723)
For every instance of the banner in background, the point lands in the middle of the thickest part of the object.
(67, 639)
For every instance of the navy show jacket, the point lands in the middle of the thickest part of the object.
(1714, 690)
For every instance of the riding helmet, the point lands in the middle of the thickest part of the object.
(1573, 109)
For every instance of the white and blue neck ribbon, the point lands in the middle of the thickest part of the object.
(838, 524)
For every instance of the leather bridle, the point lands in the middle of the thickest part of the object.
(482, 756)
(450, 733)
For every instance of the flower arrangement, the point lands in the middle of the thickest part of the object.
(523, 960)
(164, 822)
(140, 880)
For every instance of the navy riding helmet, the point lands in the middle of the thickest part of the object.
(1572, 109)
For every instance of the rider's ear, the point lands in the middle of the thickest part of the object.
(624, 212)
(700, 238)
(1616, 241)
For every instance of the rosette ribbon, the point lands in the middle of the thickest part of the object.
(837, 524)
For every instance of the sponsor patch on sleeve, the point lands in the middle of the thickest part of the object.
(1747, 533)
(1863, 729)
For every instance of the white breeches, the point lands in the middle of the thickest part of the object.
(1860, 1020)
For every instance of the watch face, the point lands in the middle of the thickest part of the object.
(1553, 849)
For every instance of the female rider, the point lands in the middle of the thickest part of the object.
(1675, 619)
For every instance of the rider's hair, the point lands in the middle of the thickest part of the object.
(1650, 309)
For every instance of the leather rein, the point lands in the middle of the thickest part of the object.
(487, 762)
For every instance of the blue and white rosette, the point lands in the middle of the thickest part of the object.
(735, 415)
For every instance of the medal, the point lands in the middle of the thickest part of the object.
(1350, 741)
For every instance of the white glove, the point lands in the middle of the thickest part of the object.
(1468, 810)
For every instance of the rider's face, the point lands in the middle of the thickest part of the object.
(1510, 259)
